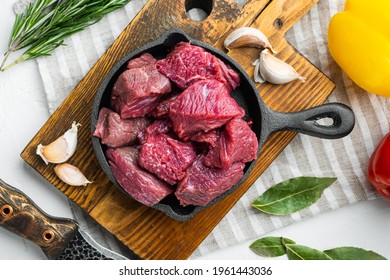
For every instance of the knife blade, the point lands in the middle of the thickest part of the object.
(59, 238)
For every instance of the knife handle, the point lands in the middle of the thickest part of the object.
(20, 215)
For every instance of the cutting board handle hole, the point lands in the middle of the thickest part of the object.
(198, 10)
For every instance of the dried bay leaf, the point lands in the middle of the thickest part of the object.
(278, 246)
(300, 252)
(352, 253)
(270, 246)
(292, 195)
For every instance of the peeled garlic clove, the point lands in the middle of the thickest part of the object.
(276, 71)
(247, 37)
(62, 148)
(71, 175)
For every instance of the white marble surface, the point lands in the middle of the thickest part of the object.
(23, 111)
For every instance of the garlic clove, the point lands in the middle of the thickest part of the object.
(257, 76)
(276, 71)
(247, 37)
(71, 175)
(62, 148)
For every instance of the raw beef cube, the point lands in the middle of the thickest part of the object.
(144, 60)
(203, 141)
(138, 89)
(162, 109)
(187, 63)
(202, 183)
(203, 106)
(166, 157)
(210, 138)
(238, 143)
(162, 126)
(116, 132)
(137, 182)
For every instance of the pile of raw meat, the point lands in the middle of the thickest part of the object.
(173, 127)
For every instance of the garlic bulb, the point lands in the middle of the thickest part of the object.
(273, 70)
(247, 37)
(62, 148)
(71, 175)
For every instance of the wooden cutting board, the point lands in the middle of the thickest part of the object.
(148, 232)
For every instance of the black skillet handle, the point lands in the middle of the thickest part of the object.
(306, 121)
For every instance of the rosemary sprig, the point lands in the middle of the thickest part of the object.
(45, 24)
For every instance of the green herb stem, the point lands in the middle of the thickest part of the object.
(6, 55)
(20, 59)
(46, 23)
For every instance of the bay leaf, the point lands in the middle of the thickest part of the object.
(352, 253)
(300, 252)
(270, 246)
(292, 195)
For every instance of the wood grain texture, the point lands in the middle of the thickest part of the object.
(148, 232)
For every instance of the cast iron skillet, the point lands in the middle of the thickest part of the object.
(265, 120)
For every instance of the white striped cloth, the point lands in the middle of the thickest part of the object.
(345, 158)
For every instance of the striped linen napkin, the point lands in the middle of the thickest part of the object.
(345, 158)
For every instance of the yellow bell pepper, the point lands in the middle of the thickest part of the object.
(359, 41)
